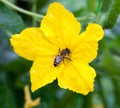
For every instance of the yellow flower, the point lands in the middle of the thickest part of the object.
(60, 51)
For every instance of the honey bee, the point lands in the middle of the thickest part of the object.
(63, 55)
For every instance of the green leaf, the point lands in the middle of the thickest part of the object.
(116, 82)
(18, 66)
(22, 80)
(106, 5)
(7, 55)
(111, 63)
(112, 13)
(9, 20)
(107, 93)
(6, 97)
(6, 100)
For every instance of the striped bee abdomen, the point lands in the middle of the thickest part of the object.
(63, 54)
(57, 60)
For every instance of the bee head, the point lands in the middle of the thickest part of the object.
(67, 50)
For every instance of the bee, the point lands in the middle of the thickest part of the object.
(63, 55)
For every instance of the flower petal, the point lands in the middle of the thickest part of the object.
(94, 32)
(85, 46)
(60, 25)
(31, 43)
(77, 77)
(43, 72)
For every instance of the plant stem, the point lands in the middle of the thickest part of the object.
(82, 18)
(34, 9)
(98, 7)
(22, 10)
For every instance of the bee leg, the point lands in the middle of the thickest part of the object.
(63, 61)
(67, 58)
(59, 49)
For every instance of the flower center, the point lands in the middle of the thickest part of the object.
(62, 55)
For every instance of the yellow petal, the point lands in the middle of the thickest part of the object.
(43, 72)
(85, 46)
(77, 77)
(31, 43)
(60, 25)
(94, 32)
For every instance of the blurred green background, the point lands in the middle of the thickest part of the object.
(14, 70)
